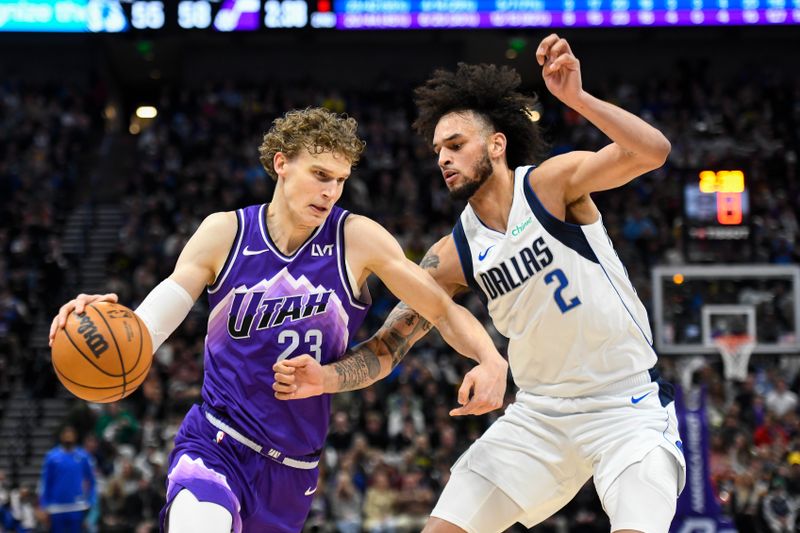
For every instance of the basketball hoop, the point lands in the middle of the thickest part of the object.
(735, 351)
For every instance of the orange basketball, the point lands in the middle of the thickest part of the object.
(104, 354)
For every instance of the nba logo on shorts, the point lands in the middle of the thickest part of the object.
(220, 436)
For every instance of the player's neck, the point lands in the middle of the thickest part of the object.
(286, 232)
(492, 202)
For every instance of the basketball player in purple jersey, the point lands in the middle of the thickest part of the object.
(284, 279)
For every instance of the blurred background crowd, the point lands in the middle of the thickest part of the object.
(390, 446)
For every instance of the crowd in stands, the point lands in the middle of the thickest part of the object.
(390, 446)
(45, 133)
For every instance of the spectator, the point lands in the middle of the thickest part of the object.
(117, 425)
(414, 501)
(770, 432)
(24, 511)
(346, 504)
(68, 484)
(781, 400)
(745, 498)
(340, 437)
(379, 504)
(375, 432)
(6, 520)
(780, 510)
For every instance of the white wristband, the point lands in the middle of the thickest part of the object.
(163, 310)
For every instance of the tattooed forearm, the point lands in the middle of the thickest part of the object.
(398, 340)
(397, 346)
(403, 327)
(361, 367)
(358, 370)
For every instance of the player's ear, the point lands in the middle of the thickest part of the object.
(497, 144)
(279, 162)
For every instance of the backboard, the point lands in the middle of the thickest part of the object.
(694, 304)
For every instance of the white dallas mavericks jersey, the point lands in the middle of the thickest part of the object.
(560, 294)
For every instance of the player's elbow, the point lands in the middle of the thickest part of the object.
(658, 151)
(663, 149)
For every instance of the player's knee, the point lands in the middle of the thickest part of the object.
(644, 496)
(189, 515)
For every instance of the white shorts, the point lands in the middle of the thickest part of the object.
(544, 449)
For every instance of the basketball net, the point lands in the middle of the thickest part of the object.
(735, 351)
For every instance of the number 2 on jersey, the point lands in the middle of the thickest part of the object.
(559, 275)
(313, 338)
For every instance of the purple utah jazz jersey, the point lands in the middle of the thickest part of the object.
(266, 306)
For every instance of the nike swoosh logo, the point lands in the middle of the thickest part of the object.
(310, 491)
(482, 255)
(640, 398)
(248, 251)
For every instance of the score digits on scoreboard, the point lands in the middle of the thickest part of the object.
(728, 185)
(228, 15)
(147, 14)
(194, 14)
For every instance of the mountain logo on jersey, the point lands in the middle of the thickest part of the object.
(512, 272)
(277, 302)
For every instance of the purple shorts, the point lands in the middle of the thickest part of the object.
(262, 495)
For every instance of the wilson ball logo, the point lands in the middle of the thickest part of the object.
(94, 340)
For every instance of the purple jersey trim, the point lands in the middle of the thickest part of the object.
(342, 263)
(234, 251)
(274, 247)
(205, 484)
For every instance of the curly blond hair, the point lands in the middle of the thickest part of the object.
(315, 129)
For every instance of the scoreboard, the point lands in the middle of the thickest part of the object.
(112, 16)
(716, 215)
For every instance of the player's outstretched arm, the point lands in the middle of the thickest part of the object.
(426, 292)
(637, 146)
(168, 303)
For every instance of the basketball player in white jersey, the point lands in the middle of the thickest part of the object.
(531, 241)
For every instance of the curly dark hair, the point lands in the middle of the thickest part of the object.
(315, 129)
(491, 92)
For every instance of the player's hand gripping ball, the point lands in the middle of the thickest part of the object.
(103, 354)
